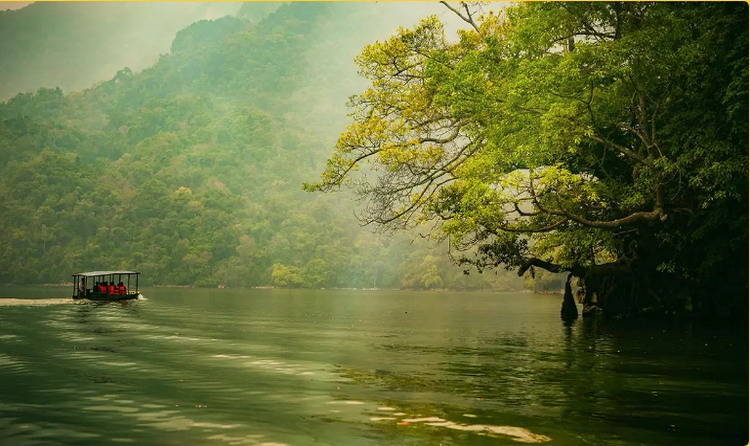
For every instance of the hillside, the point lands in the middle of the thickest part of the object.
(190, 170)
(73, 45)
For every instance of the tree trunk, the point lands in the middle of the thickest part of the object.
(621, 289)
(569, 311)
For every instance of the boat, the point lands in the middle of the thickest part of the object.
(84, 285)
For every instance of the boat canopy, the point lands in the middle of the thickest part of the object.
(84, 283)
(104, 273)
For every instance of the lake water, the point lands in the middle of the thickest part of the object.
(283, 367)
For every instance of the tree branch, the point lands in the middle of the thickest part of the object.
(622, 149)
(549, 266)
(466, 18)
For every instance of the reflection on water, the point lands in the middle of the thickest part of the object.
(255, 367)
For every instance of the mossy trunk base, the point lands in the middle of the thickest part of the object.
(569, 311)
(621, 290)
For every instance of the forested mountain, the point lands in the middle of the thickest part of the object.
(191, 170)
(72, 45)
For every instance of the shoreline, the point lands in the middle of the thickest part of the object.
(269, 287)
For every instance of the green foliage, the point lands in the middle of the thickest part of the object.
(576, 133)
(286, 276)
(190, 170)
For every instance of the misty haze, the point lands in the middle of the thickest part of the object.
(373, 223)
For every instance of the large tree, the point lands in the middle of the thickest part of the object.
(606, 140)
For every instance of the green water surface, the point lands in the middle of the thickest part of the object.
(337, 367)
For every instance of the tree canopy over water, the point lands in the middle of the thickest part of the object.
(607, 140)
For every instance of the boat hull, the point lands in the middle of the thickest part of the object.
(98, 296)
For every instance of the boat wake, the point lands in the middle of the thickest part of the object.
(16, 301)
